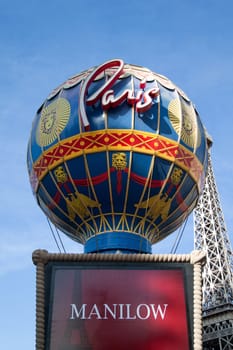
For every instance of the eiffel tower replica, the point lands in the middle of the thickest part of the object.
(211, 236)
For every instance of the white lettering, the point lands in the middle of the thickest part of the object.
(107, 309)
(159, 310)
(147, 313)
(118, 311)
(94, 312)
(128, 316)
(76, 314)
(121, 315)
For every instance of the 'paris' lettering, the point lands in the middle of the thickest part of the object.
(142, 100)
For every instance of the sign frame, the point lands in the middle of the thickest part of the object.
(44, 262)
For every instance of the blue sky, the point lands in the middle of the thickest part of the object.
(42, 43)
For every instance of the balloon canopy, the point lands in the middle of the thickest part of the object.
(117, 157)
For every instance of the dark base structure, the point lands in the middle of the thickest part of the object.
(218, 329)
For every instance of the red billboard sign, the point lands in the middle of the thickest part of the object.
(102, 308)
(118, 301)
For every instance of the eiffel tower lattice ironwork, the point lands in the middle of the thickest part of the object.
(211, 236)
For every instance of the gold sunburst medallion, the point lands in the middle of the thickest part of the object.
(183, 118)
(53, 120)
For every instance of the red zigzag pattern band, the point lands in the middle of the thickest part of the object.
(118, 140)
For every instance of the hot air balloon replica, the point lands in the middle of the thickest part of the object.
(117, 157)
